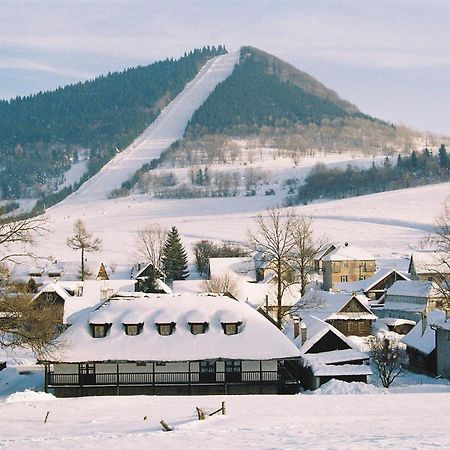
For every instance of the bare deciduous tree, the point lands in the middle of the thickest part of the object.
(389, 358)
(439, 241)
(285, 240)
(16, 236)
(150, 242)
(24, 324)
(222, 284)
(84, 241)
(273, 238)
(306, 249)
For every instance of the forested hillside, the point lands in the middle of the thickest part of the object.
(42, 135)
(265, 91)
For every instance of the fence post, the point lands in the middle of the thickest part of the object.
(224, 411)
(46, 378)
(165, 426)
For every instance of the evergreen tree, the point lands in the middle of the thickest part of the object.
(175, 262)
(444, 161)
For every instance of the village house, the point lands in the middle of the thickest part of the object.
(327, 354)
(69, 297)
(421, 343)
(373, 287)
(442, 330)
(348, 313)
(347, 263)
(429, 266)
(171, 344)
(409, 300)
(318, 257)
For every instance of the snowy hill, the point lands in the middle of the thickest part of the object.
(167, 128)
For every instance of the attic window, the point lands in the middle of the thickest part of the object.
(198, 328)
(231, 328)
(100, 330)
(133, 329)
(166, 329)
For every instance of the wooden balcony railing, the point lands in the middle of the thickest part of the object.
(163, 378)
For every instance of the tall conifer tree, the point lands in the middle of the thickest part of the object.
(175, 262)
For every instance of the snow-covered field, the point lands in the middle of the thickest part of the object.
(375, 420)
(390, 225)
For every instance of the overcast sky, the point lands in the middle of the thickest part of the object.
(389, 57)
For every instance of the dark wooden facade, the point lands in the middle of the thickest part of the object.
(422, 363)
(229, 379)
(52, 300)
(352, 322)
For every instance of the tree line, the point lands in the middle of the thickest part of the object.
(413, 170)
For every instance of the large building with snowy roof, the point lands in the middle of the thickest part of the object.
(347, 263)
(171, 344)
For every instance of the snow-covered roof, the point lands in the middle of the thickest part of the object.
(56, 288)
(341, 370)
(242, 266)
(328, 305)
(321, 253)
(426, 262)
(368, 283)
(425, 342)
(94, 292)
(412, 288)
(394, 322)
(349, 252)
(315, 329)
(257, 338)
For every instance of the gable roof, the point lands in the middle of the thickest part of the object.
(349, 252)
(316, 329)
(258, 338)
(329, 305)
(53, 287)
(412, 288)
(425, 342)
(145, 271)
(369, 283)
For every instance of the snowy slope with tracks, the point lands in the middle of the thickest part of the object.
(166, 129)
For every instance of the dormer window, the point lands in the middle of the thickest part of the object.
(133, 329)
(100, 330)
(231, 328)
(166, 329)
(198, 328)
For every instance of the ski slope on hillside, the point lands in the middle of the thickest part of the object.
(167, 128)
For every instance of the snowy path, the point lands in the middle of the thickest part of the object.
(167, 128)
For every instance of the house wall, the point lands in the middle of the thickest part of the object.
(421, 363)
(355, 270)
(391, 311)
(443, 352)
(352, 327)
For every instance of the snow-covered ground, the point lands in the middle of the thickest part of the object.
(376, 420)
(389, 225)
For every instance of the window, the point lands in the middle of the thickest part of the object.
(166, 329)
(344, 278)
(361, 326)
(133, 329)
(141, 364)
(100, 330)
(198, 328)
(350, 326)
(233, 371)
(362, 277)
(231, 328)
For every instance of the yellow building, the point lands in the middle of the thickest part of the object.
(347, 263)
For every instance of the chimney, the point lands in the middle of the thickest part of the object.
(296, 326)
(424, 322)
(303, 331)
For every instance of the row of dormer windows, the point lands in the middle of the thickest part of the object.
(164, 329)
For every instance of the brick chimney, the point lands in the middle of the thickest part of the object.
(303, 332)
(296, 326)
